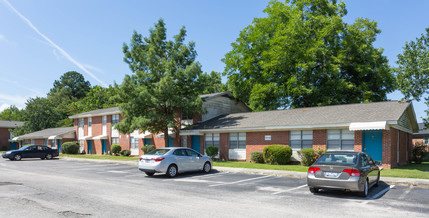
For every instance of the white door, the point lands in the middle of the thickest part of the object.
(81, 146)
(134, 148)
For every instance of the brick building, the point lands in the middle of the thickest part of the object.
(52, 137)
(422, 136)
(382, 129)
(6, 137)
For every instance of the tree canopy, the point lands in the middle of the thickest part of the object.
(303, 54)
(12, 113)
(166, 81)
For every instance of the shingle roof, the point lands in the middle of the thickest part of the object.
(10, 124)
(336, 114)
(212, 95)
(422, 130)
(47, 132)
(99, 112)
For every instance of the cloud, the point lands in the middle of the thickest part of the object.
(94, 68)
(3, 107)
(14, 99)
(54, 51)
(62, 51)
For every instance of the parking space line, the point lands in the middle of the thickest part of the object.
(405, 193)
(302, 186)
(382, 192)
(240, 181)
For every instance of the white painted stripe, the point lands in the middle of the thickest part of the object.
(405, 193)
(244, 180)
(382, 192)
(200, 177)
(302, 186)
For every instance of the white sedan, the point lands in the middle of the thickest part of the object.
(172, 161)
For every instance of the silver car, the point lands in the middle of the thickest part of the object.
(172, 161)
(349, 171)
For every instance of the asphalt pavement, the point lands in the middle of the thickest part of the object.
(69, 188)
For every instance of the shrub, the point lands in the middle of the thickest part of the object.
(257, 157)
(125, 152)
(3, 148)
(212, 151)
(307, 156)
(318, 152)
(277, 154)
(116, 148)
(418, 152)
(148, 148)
(70, 148)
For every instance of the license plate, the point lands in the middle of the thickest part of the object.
(331, 174)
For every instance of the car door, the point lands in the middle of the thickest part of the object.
(39, 152)
(373, 174)
(365, 167)
(182, 160)
(195, 161)
(29, 152)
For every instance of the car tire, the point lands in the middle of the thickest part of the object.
(314, 190)
(172, 171)
(48, 156)
(207, 167)
(17, 157)
(149, 174)
(364, 193)
(378, 180)
(10, 158)
(42, 158)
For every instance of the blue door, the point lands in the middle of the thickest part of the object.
(372, 144)
(170, 142)
(59, 145)
(89, 146)
(13, 146)
(146, 141)
(103, 146)
(195, 142)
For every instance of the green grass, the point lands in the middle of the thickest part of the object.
(1, 152)
(237, 164)
(102, 157)
(418, 171)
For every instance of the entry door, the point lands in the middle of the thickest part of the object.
(59, 145)
(89, 146)
(13, 146)
(372, 144)
(146, 141)
(195, 142)
(170, 142)
(134, 146)
(103, 146)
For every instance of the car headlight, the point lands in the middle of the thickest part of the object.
(8, 152)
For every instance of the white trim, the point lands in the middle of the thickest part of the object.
(356, 126)
(143, 135)
(54, 137)
(190, 132)
(15, 138)
(100, 137)
(85, 138)
(95, 115)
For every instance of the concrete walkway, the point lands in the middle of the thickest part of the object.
(421, 183)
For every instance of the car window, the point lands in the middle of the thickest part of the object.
(31, 148)
(160, 151)
(364, 161)
(40, 148)
(180, 152)
(349, 159)
(192, 153)
(45, 148)
(370, 160)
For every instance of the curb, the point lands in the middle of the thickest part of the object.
(420, 183)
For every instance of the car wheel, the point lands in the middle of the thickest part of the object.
(364, 193)
(42, 158)
(48, 156)
(10, 158)
(207, 167)
(149, 174)
(314, 190)
(172, 171)
(17, 157)
(378, 180)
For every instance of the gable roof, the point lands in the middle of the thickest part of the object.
(310, 117)
(46, 133)
(99, 112)
(10, 124)
(422, 130)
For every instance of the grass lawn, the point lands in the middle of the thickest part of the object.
(237, 164)
(418, 171)
(102, 157)
(1, 152)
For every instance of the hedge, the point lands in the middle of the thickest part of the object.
(277, 154)
(70, 148)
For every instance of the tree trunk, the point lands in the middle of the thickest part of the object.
(166, 138)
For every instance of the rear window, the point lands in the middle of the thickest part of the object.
(161, 151)
(337, 159)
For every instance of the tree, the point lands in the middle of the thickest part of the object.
(166, 81)
(39, 114)
(12, 113)
(97, 98)
(412, 73)
(302, 54)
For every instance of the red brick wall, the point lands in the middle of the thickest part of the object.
(358, 141)
(255, 141)
(223, 146)
(388, 136)
(4, 138)
(319, 139)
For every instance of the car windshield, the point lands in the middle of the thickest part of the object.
(337, 159)
(161, 151)
(23, 148)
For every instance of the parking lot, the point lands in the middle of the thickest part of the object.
(78, 188)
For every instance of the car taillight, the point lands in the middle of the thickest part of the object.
(352, 172)
(313, 170)
(140, 159)
(158, 159)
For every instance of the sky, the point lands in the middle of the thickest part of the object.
(41, 40)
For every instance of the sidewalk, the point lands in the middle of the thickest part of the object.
(421, 183)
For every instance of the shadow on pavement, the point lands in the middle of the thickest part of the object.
(373, 193)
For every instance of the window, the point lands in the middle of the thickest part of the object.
(341, 139)
(53, 145)
(426, 140)
(115, 119)
(237, 140)
(211, 139)
(134, 143)
(192, 153)
(104, 125)
(80, 127)
(115, 140)
(301, 139)
(180, 152)
(184, 141)
(187, 116)
(89, 125)
(32, 141)
(46, 142)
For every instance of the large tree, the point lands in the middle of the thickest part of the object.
(166, 81)
(97, 98)
(12, 113)
(413, 70)
(303, 54)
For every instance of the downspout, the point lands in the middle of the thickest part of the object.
(397, 148)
